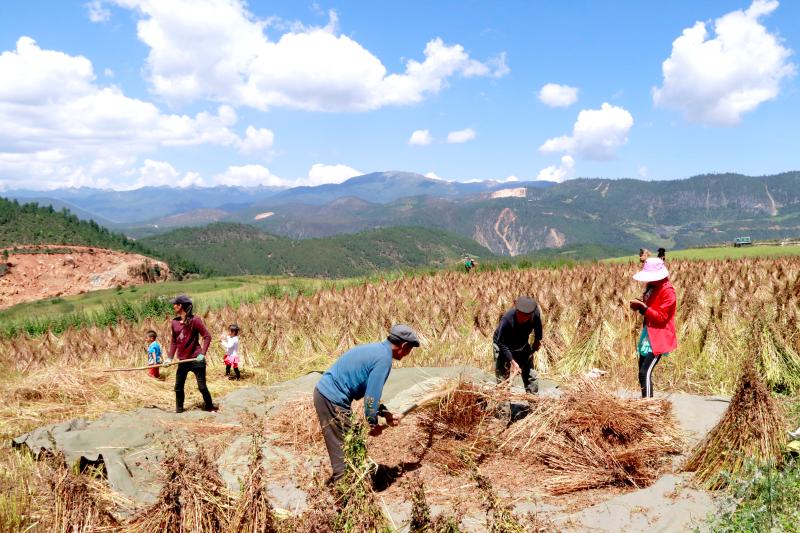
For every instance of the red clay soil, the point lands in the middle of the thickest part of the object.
(69, 270)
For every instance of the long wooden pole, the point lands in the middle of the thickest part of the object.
(164, 365)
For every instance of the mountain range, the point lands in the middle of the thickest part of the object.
(507, 218)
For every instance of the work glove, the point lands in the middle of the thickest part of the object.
(168, 361)
(201, 357)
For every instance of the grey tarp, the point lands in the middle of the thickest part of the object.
(129, 445)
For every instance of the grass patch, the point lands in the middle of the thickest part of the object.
(722, 252)
(766, 498)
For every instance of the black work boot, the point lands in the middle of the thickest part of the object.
(179, 402)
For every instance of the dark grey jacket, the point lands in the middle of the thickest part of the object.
(512, 337)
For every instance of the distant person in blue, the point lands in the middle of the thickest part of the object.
(359, 373)
(153, 354)
(513, 351)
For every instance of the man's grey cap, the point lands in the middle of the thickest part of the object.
(181, 299)
(525, 304)
(403, 333)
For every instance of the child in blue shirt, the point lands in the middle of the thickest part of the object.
(153, 354)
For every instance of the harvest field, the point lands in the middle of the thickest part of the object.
(729, 313)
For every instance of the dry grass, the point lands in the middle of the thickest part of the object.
(296, 425)
(752, 429)
(192, 498)
(253, 512)
(53, 378)
(76, 505)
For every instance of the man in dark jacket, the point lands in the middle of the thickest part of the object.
(513, 352)
(187, 331)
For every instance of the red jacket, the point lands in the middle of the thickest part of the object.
(659, 317)
(186, 338)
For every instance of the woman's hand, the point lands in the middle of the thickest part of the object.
(637, 305)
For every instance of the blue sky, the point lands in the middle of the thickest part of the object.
(124, 93)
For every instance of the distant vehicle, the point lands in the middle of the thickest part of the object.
(742, 241)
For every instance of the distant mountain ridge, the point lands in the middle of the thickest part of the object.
(516, 217)
(150, 204)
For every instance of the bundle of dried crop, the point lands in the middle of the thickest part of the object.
(750, 430)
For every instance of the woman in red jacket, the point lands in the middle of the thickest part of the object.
(658, 307)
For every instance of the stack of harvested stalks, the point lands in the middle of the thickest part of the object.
(75, 504)
(590, 438)
(253, 512)
(750, 430)
(193, 497)
(460, 423)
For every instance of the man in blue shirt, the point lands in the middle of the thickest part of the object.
(361, 372)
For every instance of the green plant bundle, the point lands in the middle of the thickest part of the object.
(358, 508)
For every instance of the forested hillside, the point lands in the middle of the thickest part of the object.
(30, 224)
(242, 249)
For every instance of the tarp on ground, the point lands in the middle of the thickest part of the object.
(130, 445)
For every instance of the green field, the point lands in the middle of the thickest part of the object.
(208, 293)
(723, 252)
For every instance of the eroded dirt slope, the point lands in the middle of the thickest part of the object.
(49, 271)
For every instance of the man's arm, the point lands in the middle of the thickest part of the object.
(503, 330)
(375, 383)
(537, 326)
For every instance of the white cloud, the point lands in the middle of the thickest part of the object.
(320, 174)
(249, 176)
(642, 171)
(597, 133)
(461, 136)
(510, 179)
(51, 104)
(421, 138)
(555, 95)
(217, 50)
(558, 173)
(161, 173)
(715, 80)
(97, 12)
(108, 73)
(257, 140)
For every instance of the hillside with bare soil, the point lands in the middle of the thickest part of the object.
(47, 271)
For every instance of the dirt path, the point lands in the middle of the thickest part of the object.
(50, 271)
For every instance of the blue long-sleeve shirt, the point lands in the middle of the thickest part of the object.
(360, 372)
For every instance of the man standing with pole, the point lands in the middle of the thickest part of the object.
(513, 353)
(187, 330)
(360, 372)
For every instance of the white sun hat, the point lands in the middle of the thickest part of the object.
(653, 270)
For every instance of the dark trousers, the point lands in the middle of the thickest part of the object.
(198, 368)
(335, 423)
(235, 371)
(502, 369)
(646, 365)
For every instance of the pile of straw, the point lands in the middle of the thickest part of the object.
(193, 497)
(296, 425)
(751, 429)
(591, 438)
(76, 506)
